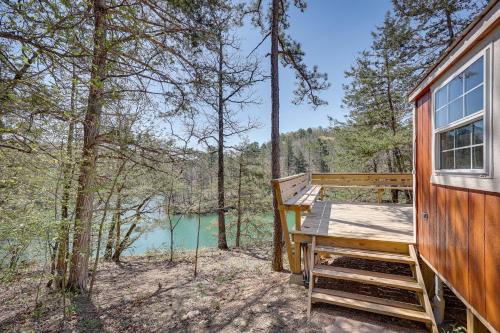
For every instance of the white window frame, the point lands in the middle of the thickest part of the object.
(485, 114)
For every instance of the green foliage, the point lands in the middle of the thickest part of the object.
(436, 24)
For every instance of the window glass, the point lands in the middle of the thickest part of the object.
(441, 117)
(477, 136)
(462, 158)
(463, 136)
(447, 160)
(441, 97)
(474, 74)
(455, 110)
(474, 101)
(456, 87)
(477, 157)
(447, 140)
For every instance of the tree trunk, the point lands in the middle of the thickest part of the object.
(171, 242)
(78, 276)
(220, 176)
(108, 252)
(238, 222)
(277, 261)
(124, 243)
(198, 233)
(118, 224)
(62, 252)
(121, 246)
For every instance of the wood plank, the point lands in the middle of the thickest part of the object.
(457, 241)
(371, 299)
(492, 258)
(474, 325)
(425, 296)
(476, 251)
(351, 242)
(304, 197)
(441, 228)
(420, 316)
(366, 254)
(311, 276)
(374, 278)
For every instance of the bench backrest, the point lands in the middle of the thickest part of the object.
(363, 179)
(287, 187)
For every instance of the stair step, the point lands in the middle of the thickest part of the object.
(372, 299)
(366, 254)
(374, 278)
(370, 304)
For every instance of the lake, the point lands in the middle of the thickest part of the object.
(158, 237)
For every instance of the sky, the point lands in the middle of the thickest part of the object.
(332, 33)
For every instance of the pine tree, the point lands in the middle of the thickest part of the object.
(290, 158)
(323, 153)
(378, 126)
(309, 83)
(300, 163)
(437, 22)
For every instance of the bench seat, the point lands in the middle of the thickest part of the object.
(305, 197)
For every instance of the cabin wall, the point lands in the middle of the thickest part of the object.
(460, 239)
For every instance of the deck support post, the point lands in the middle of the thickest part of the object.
(297, 249)
(380, 193)
(288, 244)
(438, 300)
(474, 325)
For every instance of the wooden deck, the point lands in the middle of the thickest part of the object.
(387, 222)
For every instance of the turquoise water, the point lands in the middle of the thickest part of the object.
(157, 238)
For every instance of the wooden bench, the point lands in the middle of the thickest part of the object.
(295, 193)
(376, 181)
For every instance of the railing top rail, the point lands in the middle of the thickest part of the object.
(360, 174)
(285, 179)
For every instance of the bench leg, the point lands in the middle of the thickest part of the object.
(297, 249)
(380, 193)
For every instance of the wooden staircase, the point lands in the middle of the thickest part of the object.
(421, 312)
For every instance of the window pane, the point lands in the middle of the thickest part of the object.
(462, 136)
(455, 88)
(477, 136)
(474, 101)
(455, 110)
(477, 157)
(447, 140)
(462, 158)
(447, 160)
(474, 74)
(441, 97)
(441, 116)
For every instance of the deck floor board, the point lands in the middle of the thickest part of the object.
(392, 222)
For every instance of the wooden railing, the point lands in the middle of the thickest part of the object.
(377, 181)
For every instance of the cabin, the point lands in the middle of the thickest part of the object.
(449, 234)
(457, 168)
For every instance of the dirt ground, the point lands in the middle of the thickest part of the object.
(235, 291)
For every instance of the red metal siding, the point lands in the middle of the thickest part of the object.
(461, 237)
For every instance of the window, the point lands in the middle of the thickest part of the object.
(459, 120)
